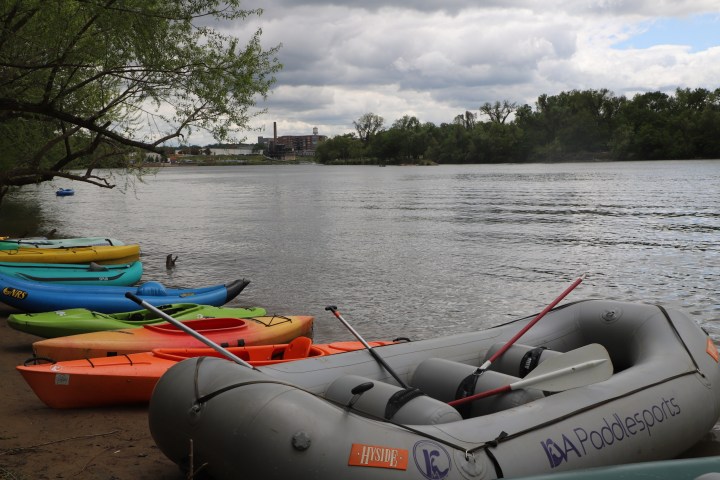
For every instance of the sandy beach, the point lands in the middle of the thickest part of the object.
(37, 442)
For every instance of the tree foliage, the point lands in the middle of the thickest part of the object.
(367, 126)
(341, 148)
(574, 125)
(85, 83)
(498, 112)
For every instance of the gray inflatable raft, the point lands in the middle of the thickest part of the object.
(345, 416)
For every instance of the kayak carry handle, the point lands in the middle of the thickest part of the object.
(37, 360)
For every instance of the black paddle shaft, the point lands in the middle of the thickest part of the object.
(188, 330)
(334, 310)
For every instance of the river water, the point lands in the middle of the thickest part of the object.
(411, 251)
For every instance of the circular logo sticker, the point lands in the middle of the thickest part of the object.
(431, 459)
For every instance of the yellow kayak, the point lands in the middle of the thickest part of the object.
(100, 253)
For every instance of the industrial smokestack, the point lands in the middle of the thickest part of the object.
(274, 130)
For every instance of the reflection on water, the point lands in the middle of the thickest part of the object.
(413, 251)
(21, 217)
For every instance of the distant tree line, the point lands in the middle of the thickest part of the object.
(575, 125)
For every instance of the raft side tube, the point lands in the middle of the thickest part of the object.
(244, 414)
(391, 402)
(445, 380)
(519, 360)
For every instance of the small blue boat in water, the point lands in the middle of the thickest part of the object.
(31, 296)
(64, 192)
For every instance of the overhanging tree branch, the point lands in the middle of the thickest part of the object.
(76, 74)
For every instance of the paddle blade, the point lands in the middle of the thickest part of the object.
(576, 368)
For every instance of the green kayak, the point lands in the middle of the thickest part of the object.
(80, 320)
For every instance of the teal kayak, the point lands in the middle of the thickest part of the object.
(73, 321)
(75, 273)
(679, 469)
(15, 243)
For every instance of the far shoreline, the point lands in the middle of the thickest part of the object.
(203, 161)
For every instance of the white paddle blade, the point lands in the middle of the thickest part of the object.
(576, 368)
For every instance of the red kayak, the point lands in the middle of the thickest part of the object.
(130, 379)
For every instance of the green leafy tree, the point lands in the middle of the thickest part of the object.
(84, 84)
(412, 137)
(451, 143)
(498, 112)
(501, 142)
(467, 120)
(406, 140)
(367, 126)
(644, 127)
(387, 146)
(339, 148)
(696, 123)
(708, 128)
(570, 125)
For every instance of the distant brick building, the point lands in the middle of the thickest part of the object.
(291, 146)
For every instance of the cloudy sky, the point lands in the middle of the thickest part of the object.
(435, 59)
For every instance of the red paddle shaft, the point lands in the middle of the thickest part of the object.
(478, 396)
(527, 327)
(590, 371)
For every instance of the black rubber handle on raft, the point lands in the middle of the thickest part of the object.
(362, 388)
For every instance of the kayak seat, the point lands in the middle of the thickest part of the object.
(298, 348)
(95, 267)
(447, 380)
(151, 289)
(176, 310)
(519, 359)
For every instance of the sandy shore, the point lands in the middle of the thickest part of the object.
(37, 442)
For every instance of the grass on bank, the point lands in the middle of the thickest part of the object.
(8, 475)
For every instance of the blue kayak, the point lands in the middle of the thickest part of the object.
(75, 273)
(30, 296)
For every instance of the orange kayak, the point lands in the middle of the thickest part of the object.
(130, 379)
(227, 332)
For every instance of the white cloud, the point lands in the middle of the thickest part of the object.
(435, 60)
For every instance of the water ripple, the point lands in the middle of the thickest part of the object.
(414, 252)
